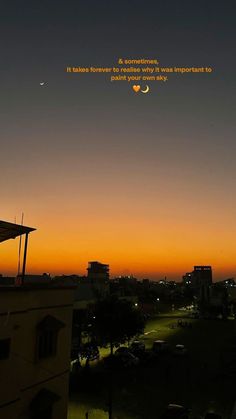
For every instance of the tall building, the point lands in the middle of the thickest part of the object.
(98, 271)
(202, 280)
(98, 277)
(203, 274)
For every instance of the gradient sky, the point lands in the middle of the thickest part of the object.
(145, 183)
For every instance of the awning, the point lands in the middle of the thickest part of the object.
(11, 230)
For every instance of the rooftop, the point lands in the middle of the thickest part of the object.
(11, 230)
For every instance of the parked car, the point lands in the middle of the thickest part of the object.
(121, 350)
(180, 350)
(160, 346)
(176, 411)
(137, 347)
(121, 358)
(128, 359)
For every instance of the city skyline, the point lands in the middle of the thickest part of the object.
(18, 259)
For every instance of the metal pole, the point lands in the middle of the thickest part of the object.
(110, 399)
(24, 260)
(19, 252)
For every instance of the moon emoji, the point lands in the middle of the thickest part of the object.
(42, 83)
(146, 90)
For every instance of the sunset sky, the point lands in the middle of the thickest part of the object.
(145, 183)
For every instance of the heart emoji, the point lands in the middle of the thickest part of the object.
(136, 87)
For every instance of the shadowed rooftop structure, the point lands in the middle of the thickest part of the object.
(11, 230)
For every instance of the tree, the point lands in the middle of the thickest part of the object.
(116, 321)
(79, 326)
(89, 351)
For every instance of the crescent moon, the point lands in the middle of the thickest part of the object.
(146, 90)
(42, 83)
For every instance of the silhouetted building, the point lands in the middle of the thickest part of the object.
(188, 278)
(9, 231)
(218, 296)
(203, 274)
(7, 280)
(228, 283)
(127, 280)
(98, 271)
(198, 282)
(73, 279)
(146, 283)
(34, 279)
(202, 280)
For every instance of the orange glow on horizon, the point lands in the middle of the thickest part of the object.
(146, 249)
(148, 224)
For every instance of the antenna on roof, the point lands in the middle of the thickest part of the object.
(19, 251)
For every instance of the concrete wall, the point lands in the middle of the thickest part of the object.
(21, 375)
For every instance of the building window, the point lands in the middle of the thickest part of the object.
(47, 344)
(41, 407)
(5, 348)
(47, 334)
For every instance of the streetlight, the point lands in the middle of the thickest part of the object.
(158, 299)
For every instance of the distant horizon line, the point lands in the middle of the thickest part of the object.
(117, 276)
